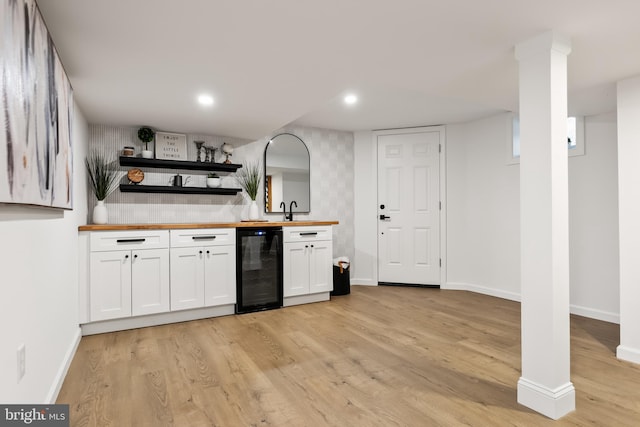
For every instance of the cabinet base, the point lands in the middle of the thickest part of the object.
(305, 299)
(155, 319)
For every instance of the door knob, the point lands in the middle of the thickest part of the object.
(383, 217)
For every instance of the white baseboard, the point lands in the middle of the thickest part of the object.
(456, 286)
(363, 282)
(553, 403)
(629, 354)
(58, 380)
(593, 313)
(305, 299)
(156, 319)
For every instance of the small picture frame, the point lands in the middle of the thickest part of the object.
(171, 146)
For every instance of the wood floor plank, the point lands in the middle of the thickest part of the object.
(381, 356)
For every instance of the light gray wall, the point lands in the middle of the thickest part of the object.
(39, 290)
(331, 182)
(483, 214)
(593, 222)
(364, 269)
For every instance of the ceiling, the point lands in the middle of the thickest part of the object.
(270, 63)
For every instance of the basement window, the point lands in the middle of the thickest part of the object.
(575, 138)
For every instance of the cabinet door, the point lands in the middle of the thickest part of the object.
(187, 278)
(320, 267)
(296, 269)
(150, 281)
(220, 275)
(110, 285)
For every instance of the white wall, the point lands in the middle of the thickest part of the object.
(483, 215)
(364, 264)
(628, 98)
(39, 288)
(593, 222)
(483, 209)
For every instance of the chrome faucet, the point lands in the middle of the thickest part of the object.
(293, 202)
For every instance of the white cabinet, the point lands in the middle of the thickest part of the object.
(203, 268)
(307, 260)
(110, 279)
(134, 278)
(128, 274)
(149, 281)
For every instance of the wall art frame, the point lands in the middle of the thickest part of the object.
(171, 146)
(36, 151)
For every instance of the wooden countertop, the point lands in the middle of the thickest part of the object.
(107, 227)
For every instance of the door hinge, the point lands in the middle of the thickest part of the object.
(440, 205)
(439, 148)
(440, 262)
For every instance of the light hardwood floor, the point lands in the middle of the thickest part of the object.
(382, 356)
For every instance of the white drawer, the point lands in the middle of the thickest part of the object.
(101, 241)
(306, 234)
(203, 237)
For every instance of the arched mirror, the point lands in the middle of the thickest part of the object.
(286, 174)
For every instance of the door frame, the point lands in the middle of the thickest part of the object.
(443, 191)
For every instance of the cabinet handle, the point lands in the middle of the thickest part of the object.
(309, 233)
(207, 252)
(203, 237)
(311, 245)
(130, 240)
(200, 252)
(126, 257)
(135, 256)
(306, 246)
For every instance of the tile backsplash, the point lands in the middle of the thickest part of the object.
(332, 181)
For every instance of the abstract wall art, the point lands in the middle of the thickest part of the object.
(36, 157)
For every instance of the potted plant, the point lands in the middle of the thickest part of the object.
(102, 181)
(146, 135)
(213, 180)
(249, 179)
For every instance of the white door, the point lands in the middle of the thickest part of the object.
(110, 285)
(320, 267)
(220, 275)
(296, 269)
(409, 207)
(187, 278)
(150, 281)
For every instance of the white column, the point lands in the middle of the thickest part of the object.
(629, 217)
(545, 384)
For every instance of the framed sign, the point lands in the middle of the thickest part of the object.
(171, 146)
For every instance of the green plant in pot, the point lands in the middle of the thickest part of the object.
(249, 177)
(103, 180)
(146, 135)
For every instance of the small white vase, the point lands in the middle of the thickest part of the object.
(100, 214)
(147, 154)
(213, 182)
(254, 212)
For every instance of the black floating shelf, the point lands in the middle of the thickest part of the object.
(133, 188)
(178, 164)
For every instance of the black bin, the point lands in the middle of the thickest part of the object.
(341, 281)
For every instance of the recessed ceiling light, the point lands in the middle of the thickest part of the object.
(350, 99)
(205, 100)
